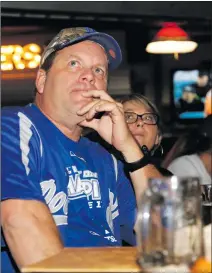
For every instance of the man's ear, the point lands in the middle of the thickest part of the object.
(40, 80)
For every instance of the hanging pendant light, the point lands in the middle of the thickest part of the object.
(171, 39)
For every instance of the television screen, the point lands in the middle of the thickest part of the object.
(191, 93)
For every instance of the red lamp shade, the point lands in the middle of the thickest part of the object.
(171, 39)
(171, 31)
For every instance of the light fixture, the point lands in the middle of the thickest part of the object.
(20, 57)
(171, 39)
(6, 66)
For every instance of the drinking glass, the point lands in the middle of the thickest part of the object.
(169, 225)
(206, 204)
(206, 195)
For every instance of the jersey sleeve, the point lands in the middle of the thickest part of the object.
(21, 150)
(127, 205)
(181, 167)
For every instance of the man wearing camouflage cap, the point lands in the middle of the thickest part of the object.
(58, 188)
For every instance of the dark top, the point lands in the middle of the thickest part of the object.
(94, 136)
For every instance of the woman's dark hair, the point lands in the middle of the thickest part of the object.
(196, 141)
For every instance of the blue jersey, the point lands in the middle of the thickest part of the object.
(84, 187)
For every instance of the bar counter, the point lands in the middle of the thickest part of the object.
(105, 259)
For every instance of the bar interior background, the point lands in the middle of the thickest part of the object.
(133, 24)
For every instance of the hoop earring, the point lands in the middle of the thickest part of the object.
(155, 148)
(161, 149)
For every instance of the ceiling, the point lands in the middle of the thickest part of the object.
(186, 9)
(36, 17)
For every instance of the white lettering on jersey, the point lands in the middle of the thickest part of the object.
(48, 189)
(55, 201)
(75, 186)
(94, 233)
(73, 154)
(68, 169)
(60, 220)
(87, 186)
(88, 173)
(90, 205)
(98, 204)
(110, 238)
(112, 210)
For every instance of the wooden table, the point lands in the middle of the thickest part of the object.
(107, 259)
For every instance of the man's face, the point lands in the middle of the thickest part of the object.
(188, 96)
(76, 69)
(202, 81)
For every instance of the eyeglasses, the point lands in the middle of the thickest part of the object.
(147, 118)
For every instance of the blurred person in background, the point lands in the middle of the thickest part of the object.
(203, 84)
(190, 101)
(191, 155)
(58, 188)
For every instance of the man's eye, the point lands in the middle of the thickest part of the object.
(99, 71)
(74, 63)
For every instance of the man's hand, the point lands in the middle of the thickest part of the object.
(111, 126)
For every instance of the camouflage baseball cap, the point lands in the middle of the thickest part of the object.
(69, 36)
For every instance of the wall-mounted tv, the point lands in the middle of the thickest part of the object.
(190, 88)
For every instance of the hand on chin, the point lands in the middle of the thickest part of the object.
(81, 119)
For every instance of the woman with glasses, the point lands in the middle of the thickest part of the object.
(144, 122)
